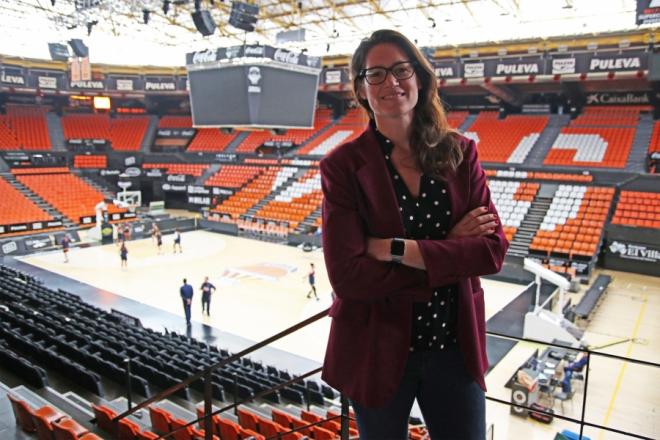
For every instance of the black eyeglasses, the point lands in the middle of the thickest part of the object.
(377, 75)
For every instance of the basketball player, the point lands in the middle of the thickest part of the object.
(311, 277)
(66, 243)
(207, 289)
(177, 240)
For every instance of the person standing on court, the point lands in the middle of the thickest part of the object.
(207, 289)
(186, 292)
(311, 277)
(177, 241)
(123, 255)
(66, 244)
(408, 228)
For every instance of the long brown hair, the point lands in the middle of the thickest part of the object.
(433, 142)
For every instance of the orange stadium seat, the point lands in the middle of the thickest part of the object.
(124, 132)
(24, 127)
(505, 140)
(347, 128)
(210, 139)
(90, 161)
(638, 209)
(15, 208)
(68, 193)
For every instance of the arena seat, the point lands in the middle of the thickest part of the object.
(512, 200)
(601, 136)
(161, 420)
(104, 416)
(296, 202)
(210, 140)
(506, 140)
(23, 414)
(190, 169)
(638, 209)
(16, 208)
(124, 132)
(90, 161)
(67, 429)
(573, 225)
(654, 144)
(229, 430)
(68, 193)
(456, 118)
(24, 127)
(346, 129)
(268, 180)
(297, 136)
(233, 176)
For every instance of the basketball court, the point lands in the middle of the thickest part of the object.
(262, 288)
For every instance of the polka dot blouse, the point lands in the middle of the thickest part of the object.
(426, 217)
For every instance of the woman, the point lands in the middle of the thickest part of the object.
(408, 228)
(123, 255)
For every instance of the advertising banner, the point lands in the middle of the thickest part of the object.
(528, 65)
(12, 76)
(125, 83)
(648, 12)
(160, 84)
(618, 61)
(447, 69)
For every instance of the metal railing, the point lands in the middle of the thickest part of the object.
(344, 417)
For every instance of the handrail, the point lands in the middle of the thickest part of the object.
(206, 375)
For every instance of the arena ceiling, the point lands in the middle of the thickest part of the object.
(116, 32)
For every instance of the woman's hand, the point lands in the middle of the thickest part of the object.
(379, 248)
(475, 223)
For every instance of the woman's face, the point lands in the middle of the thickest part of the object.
(393, 98)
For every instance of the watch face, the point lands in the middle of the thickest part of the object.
(397, 248)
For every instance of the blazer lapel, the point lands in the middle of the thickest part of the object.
(380, 198)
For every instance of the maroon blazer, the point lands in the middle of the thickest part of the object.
(371, 317)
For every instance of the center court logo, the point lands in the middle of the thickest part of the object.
(259, 271)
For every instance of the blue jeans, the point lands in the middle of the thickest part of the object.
(452, 403)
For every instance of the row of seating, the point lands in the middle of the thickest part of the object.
(506, 140)
(15, 208)
(124, 132)
(190, 169)
(68, 193)
(574, 222)
(90, 161)
(24, 127)
(638, 209)
(538, 175)
(48, 422)
(97, 343)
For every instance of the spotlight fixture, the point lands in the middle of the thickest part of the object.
(433, 23)
(145, 16)
(166, 6)
(90, 25)
(52, 2)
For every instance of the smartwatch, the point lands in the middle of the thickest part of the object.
(397, 249)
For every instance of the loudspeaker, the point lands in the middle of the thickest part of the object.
(204, 22)
(58, 52)
(79, 48)
(519, 396)
(243, 16)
